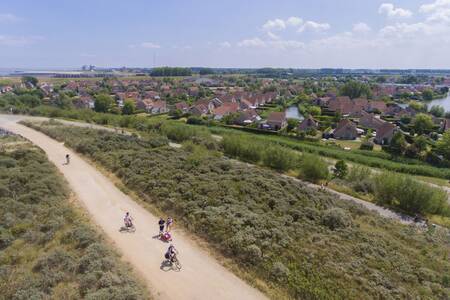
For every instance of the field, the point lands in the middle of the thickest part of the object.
(306, 243)
(48, 249)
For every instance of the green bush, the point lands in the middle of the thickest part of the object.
(313, 168)
(336, 218)
(410, 195)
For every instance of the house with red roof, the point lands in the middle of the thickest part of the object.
(225, 109)
(385, 133)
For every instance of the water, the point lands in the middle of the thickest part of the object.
(445, 103)
(293, 113)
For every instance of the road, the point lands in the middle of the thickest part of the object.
(201, 277)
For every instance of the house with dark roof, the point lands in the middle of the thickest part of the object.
(385, 133)
(276, 121)
(308, 124)
(370, 121)
(345, 130)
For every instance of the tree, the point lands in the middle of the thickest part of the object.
(129, 107)
(292, 124)
(422, 123)
(398, 144)
(340, 169)
(103, 103)
(30, 80)
(355, 89)
(443, 145)
(417, 106)
(64, 101)
(315, 110)
(427, 95)
(437, 111)
(421, 143)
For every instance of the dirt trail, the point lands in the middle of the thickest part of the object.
(201, 276)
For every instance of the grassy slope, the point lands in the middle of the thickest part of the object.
(47, 248)
(307, 243)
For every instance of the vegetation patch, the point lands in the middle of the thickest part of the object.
(47, 249)
(306, 242)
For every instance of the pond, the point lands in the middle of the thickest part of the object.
(293, 113)
(445, 103)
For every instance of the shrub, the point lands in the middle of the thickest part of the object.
(279, 272)
(360, 179)
(279, 158)
(340, 169)
(410, 195)
(336, 218)
(313, 168)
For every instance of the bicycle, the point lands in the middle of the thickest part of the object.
(174, 262)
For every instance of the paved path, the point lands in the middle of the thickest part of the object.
(201, 276)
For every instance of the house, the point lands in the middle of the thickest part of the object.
(342, 105)
(182, 106)
(145, 104)
(159, 107)
(225, 109)
(276, 120)
(385, 133)
(370, 121)
(199, 110)
(345, 130)
(376, 106)
(6, 89)
(308, 124)
(247, 117)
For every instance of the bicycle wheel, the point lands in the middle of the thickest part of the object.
(177, 264)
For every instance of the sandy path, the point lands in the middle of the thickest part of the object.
(201, 276)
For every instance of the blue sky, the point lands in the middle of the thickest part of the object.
(232, 33)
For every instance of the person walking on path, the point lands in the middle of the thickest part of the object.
(169, 224)
(161, 223)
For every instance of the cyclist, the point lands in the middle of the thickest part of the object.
(171, 253)
(128, 220)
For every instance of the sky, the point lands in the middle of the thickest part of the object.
(228, 33)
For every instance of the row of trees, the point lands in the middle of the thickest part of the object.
(168, 71)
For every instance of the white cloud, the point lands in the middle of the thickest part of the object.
(438, 11)
(294, 21)
(9, 18)
(6, 40)
(274, 44)
(361, 28)
(252, 43)
(150, 45)
(287, 44)
(276, 24)
(391, 11)
(273, 36)
(314, 26)
(435, 6)
(225, 44)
